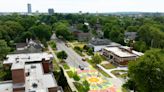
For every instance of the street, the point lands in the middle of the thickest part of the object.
(73, 59)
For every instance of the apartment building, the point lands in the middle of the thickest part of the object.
(31, 72)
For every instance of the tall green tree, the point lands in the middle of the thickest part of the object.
(4, 49)
(148, 71)
(42, 32)
(96, 58)
(62, 55)
(61, 29)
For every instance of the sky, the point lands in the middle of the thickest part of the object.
(74, 6)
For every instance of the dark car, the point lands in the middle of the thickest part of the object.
(83, 59)
(81, 67)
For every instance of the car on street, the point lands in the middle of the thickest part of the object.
(83, 59)
(81, 67)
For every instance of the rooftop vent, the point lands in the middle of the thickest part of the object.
(33, 66)
(34, 85)
(17, 61)
(29, 57)
(16, 58)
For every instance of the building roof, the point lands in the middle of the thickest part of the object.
(120, 52)
(37, 77)
(31, 46)
(18, 65)
(98, 42)
(27, 57)
(83, 34)
(6, 87)
(21, 45)
(130, 35)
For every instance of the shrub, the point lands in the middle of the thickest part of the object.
(76, 77)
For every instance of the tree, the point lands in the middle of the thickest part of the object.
(5, 75)
(62, 55)
(78, 48)
(96, 59)
(41, 31)
(76, 77)
(4, 49)
(140, 46)
(61, 29)
(90, 51)
(53, 44)
(86, 86)
(83, 27)
(130, 84)
(15, 28)
(147, 71)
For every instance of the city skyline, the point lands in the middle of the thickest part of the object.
(74, 6)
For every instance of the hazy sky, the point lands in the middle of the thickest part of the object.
(83, 5)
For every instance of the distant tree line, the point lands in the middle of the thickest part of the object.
(16, 28)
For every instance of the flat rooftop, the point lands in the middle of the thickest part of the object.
(37, 81)
(29, 57)
(102, 42)
(6, 87)
(120, 52)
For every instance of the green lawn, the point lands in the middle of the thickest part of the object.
(98, 69)
(79, 86)
(103, 73)
(103, 58)
(55, 65)
(70, 74)
(66, 66)
(80, 53)
(108, 66)
(125, 90)
(117, 73)
(79, 44)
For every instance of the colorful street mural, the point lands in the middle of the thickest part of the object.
(98, 83)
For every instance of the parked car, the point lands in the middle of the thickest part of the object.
(81, 67)
(66, 44)
(83, 59)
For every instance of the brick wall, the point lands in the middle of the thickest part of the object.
(18, 76)
(53, 89)
(19, 90)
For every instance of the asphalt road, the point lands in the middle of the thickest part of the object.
(73, 59)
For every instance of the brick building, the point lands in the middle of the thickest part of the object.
(120, 54)
(31, 72)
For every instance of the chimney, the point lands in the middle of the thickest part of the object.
(46, 66)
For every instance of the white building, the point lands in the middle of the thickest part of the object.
(98, 44)
(31, 72)
(121, 54)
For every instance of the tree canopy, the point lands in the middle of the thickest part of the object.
(96, 58)
(62, 55)
(4, 49)
(147, 71)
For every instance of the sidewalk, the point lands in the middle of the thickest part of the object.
(69, 80)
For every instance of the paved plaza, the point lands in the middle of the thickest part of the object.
(98, 83)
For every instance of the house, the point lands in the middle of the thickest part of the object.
(130, 35)
(79, 34)
(121, 54)
(31, 72)
(98, 44)
(31, 46)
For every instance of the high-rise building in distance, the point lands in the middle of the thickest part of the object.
(29, 8)
(50, 11)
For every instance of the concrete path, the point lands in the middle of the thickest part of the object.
(108, 71)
